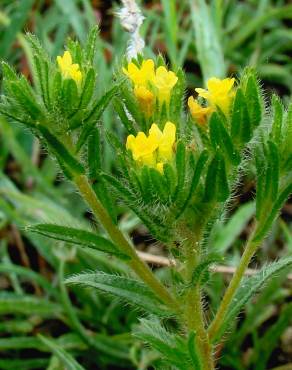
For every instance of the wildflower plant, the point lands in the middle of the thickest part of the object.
(177, 169)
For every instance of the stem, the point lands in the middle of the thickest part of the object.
(194, 313)
(195, 321)
(249, 251)
(138, 266)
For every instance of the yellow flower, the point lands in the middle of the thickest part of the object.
(145, 99)
(166, 140)
(198, 112)
(164, 81)
(143, 148)
(159, 167)
(219, 94)
(68, 69)
(155, 149)
(141, 76)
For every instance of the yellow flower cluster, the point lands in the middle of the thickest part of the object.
(155, 149)
(219, 94)
(68, 69)
(149, 83)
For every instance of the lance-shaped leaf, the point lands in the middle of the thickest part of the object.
(250, 286)
(195, 181)
(181, 171)
(253, 99)
(172, 348)
(271, 216)
(278, 114)
(77, 236)
(16, 304)
(130, 290)
(200, 270)
(193, 352)
(126, 121)
(210, 53)
(69, 95)
(90, 46)
(132, 200)
(217, 187)
(220, 139)
(159, 185)
(88, 88)
(66, 160)
(67, 360)
(94, 154)
(268, 167)
(241, 130)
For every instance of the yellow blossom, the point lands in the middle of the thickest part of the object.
(166, 140)
(145, 98)
(219, 94)
(68, 69)
(198, 112)
(155, 149)
(141, 76)
(143, 147)
(159, 167)
(164, 81)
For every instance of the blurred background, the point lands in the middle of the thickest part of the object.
(207, 38)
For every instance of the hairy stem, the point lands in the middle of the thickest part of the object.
(249, 251)
(196, 323)
(194, 311)
(138, 266)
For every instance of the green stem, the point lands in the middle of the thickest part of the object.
(195, 322)
(138, 266)
(249, 251)
(194, 312)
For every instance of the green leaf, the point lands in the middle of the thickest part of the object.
(42, 78)
(171, 347)
(181, 171)
(90, 47)
(170, 177)
(253, 99)
(88, 88)
(216, 181)
(208, 45)
(267, 223)
(192, 351)
(28, 305)
(159, 185)
(119, 108)
(77, 236)
(250, 286)
(69, 95)
(62, 154)
(130, 290)
(202, 267)
(67, 360)
(202, 160)
(274, 166)
(241, 131)
(278, 114)
(94, 154)
(35, 363)
(221, 139)
(261, 174)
